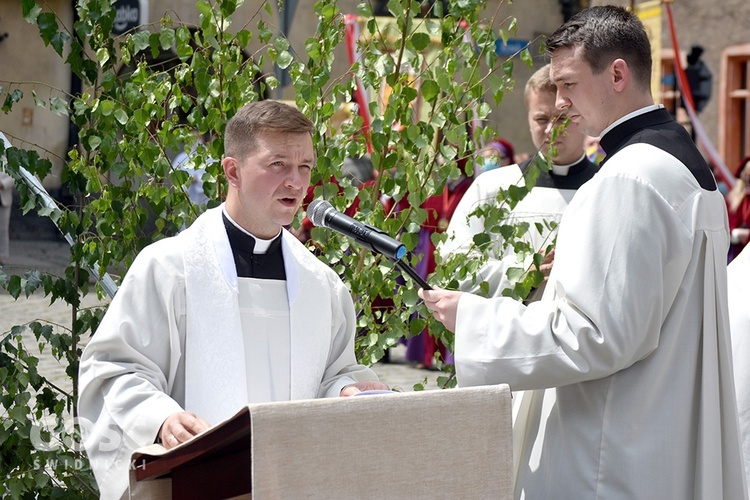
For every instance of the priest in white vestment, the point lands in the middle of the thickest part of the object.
(633, 330)
(233, 310)
(738, 287)
(543, 205)
(542, 208)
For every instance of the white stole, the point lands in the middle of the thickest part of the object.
(215, 364)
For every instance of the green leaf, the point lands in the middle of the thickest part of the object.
(141, 40)
(526, 58)
(59, 106)
(281, 44)
(166, 38)
(409, 296)
(16, 488)
(395, 8)
(243, 38)
(94, 142)
(58, 42)
(102, 55)
(19, 413)
(420, 41)
(204, 8)
(430, 90)
(106, 107)
(364, 10)
(10, 99)
(507, 67)
(30, 10)
(481, 240)
(284, 60)
(326, 11)
(121, 116)
(14, 286)
(47, 26)
(515, 274)
(33, 281)
(41, 480)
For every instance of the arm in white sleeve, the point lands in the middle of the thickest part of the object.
(342, 368)
(617, 268)
(128, 369)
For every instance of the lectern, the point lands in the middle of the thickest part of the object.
(453, 443)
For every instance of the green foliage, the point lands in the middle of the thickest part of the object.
(40, 455)
(503, 233)
(135, 112)
(418, 141)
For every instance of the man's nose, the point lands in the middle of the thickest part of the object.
(561, 102)
(295, 179)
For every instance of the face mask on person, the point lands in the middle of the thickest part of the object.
(489, 164)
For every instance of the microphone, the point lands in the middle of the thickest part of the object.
(322, 213)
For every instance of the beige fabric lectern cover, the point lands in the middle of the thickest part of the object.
(454, 443)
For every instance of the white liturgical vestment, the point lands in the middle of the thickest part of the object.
(264, 313)
(172, 340)
(738, 278)
(632, 332)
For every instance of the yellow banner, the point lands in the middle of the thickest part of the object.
(650, 15)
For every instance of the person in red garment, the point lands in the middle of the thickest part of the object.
(421, 348)
(738, 204)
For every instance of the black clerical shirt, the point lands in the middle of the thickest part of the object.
(577, 175)
(269, 265)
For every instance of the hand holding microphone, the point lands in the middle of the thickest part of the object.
(322, 213)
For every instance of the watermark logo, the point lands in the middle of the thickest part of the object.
(50, 433)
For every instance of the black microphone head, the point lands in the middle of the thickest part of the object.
(316, 211)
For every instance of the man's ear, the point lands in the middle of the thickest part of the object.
(231, 168)
(620, 74)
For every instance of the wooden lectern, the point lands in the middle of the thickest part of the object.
(454, 443)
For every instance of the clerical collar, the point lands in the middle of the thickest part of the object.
(248, 260)
(657, 128)
(633, 114)
(565, 169)
(577, 174)
(259, 244)
(556, 170)
(616, 136)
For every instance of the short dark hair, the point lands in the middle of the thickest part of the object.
(262, 116)
(603, 34)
